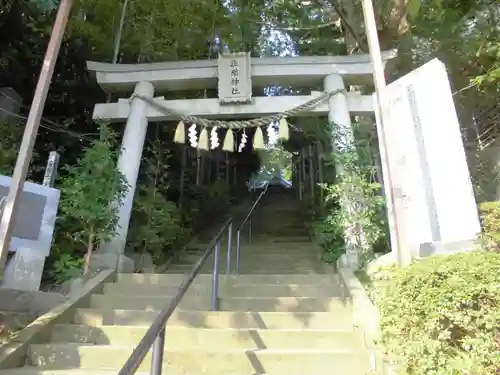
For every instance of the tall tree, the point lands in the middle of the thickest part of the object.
(86, 204)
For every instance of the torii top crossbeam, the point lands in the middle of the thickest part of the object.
(202, 74)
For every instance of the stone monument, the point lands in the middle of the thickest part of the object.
(36, 216)
(32, 234)
(429, 163)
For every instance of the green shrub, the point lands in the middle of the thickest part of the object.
(490, 219)
(330, 236)
(440, 316)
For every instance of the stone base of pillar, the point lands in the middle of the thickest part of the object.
(352, 258)
(24, 270)
(349, 260)
(437, 248)
(120, 262)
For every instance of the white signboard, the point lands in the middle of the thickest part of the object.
(428, 161)
(235, 78)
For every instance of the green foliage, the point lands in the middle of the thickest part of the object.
(488, 52)
(11, 138)
(275, 161)
(440, 316)
(153, 30)
(413, 7)
(329, 234)
(354, 205)
(156, 222)
(65, 261)
(12, 132)
(24, 35)
(215, 197)
(65, 267)
(156, 226)
(490, 219)
(88, 188)
(484, 174)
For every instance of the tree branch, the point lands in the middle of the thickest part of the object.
(334, 10)
(309, 28)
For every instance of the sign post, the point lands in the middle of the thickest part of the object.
(395, 204)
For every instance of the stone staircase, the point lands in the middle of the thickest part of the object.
(285, 314)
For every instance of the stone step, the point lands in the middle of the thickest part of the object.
(279, 204)
(281, 221)
(275, 233)
(131, 302)
(256, 279)
(229, 290)
(300, 266)
(256, 256)
(287, 214)
(265, 245)
(286, 220)
(245, 270)
(268, 230)
(249, 304)
(182, 337)
(217, 319)
(304, 267)
(256, 259)
(273, 249)
(255, 267)
(292, 239)
(203, 361)
(277, 245)
(283, 209)
(277, 223)
(252, 255)
(252, 271)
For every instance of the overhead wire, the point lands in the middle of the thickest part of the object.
(45, 123)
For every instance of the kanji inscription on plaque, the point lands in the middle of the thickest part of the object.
(235, 78)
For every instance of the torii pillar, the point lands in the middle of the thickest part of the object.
(112, 254)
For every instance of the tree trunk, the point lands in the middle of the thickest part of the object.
(90, 247)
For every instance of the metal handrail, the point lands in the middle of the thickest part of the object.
(155, 335)
(248, 219)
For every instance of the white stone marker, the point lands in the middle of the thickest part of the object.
(428, 163)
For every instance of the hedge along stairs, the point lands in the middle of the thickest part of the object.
(284, 314)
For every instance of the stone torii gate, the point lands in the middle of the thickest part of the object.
(332, 72)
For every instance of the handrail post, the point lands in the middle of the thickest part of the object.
(229, 248)
(155, 335)
(299, 172)
(238, 242)
(158, 348)
(248, 219)
(250, 230)
(215, 278)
